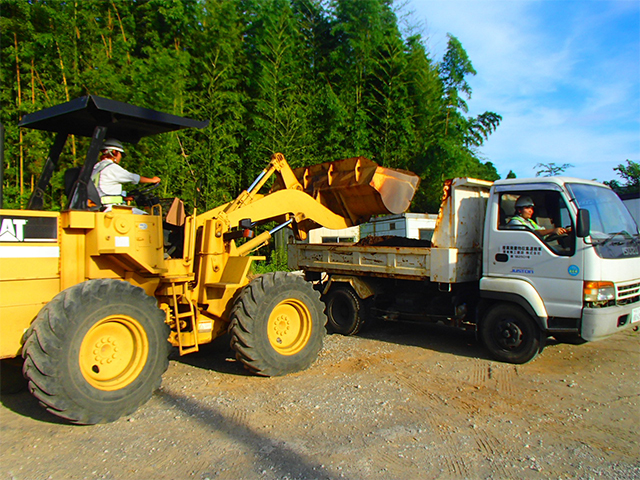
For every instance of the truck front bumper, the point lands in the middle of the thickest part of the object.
(599, 323)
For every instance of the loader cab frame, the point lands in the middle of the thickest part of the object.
(98, 118)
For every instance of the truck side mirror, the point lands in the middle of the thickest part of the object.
(583, 224)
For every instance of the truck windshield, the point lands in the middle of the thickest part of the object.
(613, 231)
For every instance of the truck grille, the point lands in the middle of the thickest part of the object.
(628, 293)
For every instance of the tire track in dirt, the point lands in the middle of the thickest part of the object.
(505, 375)
(493, 450)
(400, 463)
(440, 421)
(480, 373)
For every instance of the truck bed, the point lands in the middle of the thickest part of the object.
(454, 257)
(400, 262)
(446, 265)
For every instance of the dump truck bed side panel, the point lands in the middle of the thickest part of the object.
(396, 262)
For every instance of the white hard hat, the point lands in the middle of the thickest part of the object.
(524, 201)
(112, 144)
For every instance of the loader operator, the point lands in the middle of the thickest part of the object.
(524, 211)
(108, 176)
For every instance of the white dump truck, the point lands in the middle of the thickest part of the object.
(512, 285)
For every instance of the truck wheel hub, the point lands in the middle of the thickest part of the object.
(510, 335)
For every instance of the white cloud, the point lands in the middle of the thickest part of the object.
(565, 76)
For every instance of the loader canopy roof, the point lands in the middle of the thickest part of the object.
(97, 118)
(126, 122)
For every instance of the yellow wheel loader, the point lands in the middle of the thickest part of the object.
(94, 300)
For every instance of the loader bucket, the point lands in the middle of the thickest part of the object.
(357, 188)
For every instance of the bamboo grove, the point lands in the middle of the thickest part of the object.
(316, 80)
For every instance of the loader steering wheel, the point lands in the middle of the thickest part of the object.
(142, 197)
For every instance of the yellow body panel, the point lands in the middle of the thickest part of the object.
(80, 246)
(17, 314)
(29, 272)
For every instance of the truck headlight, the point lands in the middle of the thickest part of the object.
(599, 291)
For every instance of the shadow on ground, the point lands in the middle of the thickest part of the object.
(430, 336)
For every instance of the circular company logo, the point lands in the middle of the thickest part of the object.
(573, 270)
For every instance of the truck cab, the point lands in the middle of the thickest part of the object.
(581, 286)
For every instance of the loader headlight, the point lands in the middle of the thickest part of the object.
(599, 291)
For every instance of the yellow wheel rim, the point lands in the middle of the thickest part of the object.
(289, 327)
(114, 352)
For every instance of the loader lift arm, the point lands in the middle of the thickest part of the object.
(333, 196)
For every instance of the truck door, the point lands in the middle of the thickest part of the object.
(550, 263)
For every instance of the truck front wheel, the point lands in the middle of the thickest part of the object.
(277, 324)
(510, 334)
(346, 311)
(97, 351)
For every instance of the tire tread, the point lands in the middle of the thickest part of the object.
(247, 329)
(47, 338)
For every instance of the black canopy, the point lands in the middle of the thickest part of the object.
(126, 122)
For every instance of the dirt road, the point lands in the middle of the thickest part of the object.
(401, 402)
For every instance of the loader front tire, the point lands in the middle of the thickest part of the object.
(97, 351)
(277, 324)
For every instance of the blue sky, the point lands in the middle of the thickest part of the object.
(564, 74)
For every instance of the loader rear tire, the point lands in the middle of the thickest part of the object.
(277, 324)
(97, 351)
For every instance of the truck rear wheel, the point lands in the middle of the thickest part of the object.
(277, 324)
(346, 312)
(510, 334)
(97, 351)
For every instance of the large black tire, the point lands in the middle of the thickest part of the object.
(97, 351)
(277, 324)
(510, 334)
(346, 311)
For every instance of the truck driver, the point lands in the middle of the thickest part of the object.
(524, 211)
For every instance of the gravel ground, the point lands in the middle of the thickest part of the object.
(403, 401)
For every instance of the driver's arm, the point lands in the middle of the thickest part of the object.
(149, 180)
(556, 230)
